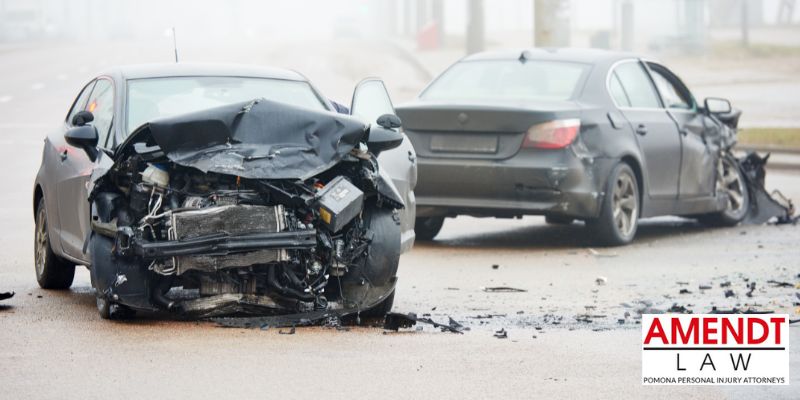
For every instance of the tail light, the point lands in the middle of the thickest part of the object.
(552, 135)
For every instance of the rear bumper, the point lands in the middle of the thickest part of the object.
(534, 182)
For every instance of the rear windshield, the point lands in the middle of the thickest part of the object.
(508, 80)
(153, 98)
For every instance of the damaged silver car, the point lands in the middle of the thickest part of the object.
(209, 191)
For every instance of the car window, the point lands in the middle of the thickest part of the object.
(670, 94)
(153, 98)
(508, 80)
(371, 100)
(101, 105)
(80, 102)
(618, 92)
(637, 85)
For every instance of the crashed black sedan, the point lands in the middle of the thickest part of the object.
(572, 134)
(211, 190)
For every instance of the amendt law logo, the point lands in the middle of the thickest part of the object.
(715, 349)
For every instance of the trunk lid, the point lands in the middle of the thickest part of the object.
(475, 130)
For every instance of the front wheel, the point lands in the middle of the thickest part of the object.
(380, 310)
(619, 213)
(730, 183)
(426, 228)
(51, 271)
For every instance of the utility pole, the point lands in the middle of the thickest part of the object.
(437, 14)
(551, 23)
(475, 33)
(745, 24)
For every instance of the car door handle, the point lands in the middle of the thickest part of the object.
(641, 129)
(63, 155)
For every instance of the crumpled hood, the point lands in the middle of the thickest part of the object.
(259, 139)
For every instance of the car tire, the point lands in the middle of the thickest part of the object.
(619, 212)
(380, 310)
(109, 310)
(558, 220)
(730, 181)
(103, 307)
(427, 228)
(52, 272)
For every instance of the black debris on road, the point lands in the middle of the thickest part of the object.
(503, 289)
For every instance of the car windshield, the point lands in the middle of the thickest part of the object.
(153, 98)
(508, 80)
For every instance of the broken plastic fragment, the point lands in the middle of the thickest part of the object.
(502, 289)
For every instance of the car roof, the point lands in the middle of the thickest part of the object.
(165, 70)
(588, 56)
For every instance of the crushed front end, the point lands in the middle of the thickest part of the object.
(178, 227)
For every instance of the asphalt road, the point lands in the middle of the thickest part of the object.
(55, 346)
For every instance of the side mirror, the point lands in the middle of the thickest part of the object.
(84, 137)
(82, 118)
(382, 139)
(716, 105)
(389, 121)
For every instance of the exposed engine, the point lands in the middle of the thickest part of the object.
(241, 242)
(257, 206)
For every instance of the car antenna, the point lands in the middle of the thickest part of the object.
(175, 44)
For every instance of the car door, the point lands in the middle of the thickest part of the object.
(370, 101)
(57, 169)
(657, 134)
(75, 169)
(698, 159)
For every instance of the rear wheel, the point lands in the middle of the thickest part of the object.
(51, 271)
(427, 228)
(619, 213)
(730, 183)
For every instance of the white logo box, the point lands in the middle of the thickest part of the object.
(714, 349)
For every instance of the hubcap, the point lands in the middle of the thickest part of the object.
(730, 182)
(40, 242)
(625, 204)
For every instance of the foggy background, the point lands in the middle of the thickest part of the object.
(744, 50)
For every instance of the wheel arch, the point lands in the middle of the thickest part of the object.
(632, 162)
(38, 194)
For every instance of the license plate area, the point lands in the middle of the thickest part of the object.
(460, 143)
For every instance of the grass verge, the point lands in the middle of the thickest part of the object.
(780, 137)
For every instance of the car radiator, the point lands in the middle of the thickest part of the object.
(231, 220)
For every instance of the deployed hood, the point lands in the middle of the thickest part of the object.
(259, 139)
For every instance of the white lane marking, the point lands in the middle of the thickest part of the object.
(37, 86)
(5, 99)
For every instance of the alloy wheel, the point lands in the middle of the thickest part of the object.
(729, 181)
(41, 241)
(625, 204)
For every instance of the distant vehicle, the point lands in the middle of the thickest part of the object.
(239, 184)
(571, 134)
